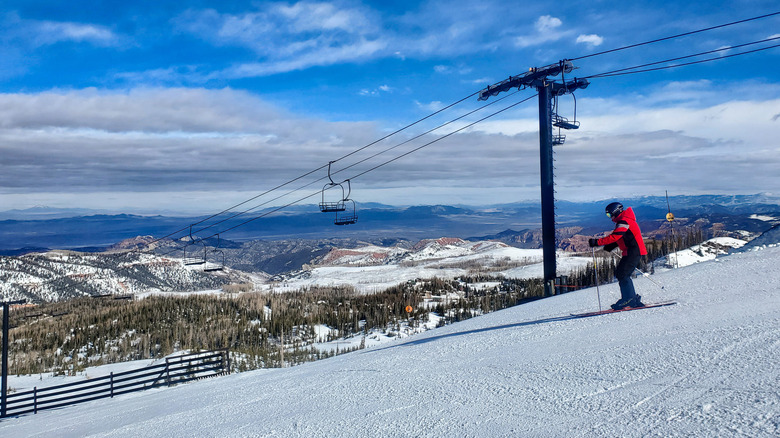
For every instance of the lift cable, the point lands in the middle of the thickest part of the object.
(378, 166)
(444, 136)
(631, 46)
(314, 170)
(355, 163)
(631, 70)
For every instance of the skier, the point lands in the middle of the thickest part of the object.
(628, 238)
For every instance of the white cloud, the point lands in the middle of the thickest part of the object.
(448, 69)
(376, 91)
(314, 16)
(547, 23)
(546, 30)
(289, 37)
(36, 33)
(56, 31)
(591, 40)
(430, 106)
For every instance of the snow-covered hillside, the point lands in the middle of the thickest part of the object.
(373, 268)
(707, 250)
(704, 367)
(59, 275)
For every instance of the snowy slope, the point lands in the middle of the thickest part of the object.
(708, 250)
(704, 367)
(60, 275)
(372, 269)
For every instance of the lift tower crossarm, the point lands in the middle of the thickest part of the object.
(533, 77)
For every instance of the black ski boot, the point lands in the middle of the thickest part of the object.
(622, 303)
(637, 302)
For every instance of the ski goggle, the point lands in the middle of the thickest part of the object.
(609, 215)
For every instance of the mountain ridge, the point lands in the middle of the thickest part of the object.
(100, 231)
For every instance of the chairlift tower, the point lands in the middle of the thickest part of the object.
(539, 78)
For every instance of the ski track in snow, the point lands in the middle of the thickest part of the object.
(704, 367)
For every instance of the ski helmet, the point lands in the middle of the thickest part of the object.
(614, 209)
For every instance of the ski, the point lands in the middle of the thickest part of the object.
(625, 309)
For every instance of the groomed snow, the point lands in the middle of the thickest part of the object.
(704, 367)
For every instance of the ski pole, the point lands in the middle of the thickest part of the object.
(645, 274)
(596, 275)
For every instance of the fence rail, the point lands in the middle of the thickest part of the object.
(175, 370)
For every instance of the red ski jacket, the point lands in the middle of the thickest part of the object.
(626, 234)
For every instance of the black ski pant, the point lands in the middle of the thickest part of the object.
(623, 272)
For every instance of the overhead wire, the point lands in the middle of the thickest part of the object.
(657, 40)
(323, 178)
(469, 125)
(632, 70)
(314, 170)
(357, 162)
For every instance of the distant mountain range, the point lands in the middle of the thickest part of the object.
(40, 228)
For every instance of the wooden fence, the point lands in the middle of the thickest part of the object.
(175, 370)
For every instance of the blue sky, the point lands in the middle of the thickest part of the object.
(193, 106)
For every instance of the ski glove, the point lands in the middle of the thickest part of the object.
(593, 242)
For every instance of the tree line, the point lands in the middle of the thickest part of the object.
(260, 329)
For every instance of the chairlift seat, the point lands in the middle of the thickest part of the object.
(330, 207)
(346, 220)
(567, 125)
(564, 123)
(192, 262)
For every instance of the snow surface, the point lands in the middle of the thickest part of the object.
(43, 380)
(440, 261)
(707, 250)
(704, 367)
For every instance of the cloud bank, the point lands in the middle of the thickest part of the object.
(228, 141)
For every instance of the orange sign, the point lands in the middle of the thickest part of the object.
(409, 309)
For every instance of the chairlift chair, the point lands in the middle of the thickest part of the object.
(330, 206)
(219, 264)
(563, 122)
(191, 260)
(348, 217)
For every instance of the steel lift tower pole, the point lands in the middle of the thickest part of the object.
(547, 185)
(537, 77)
